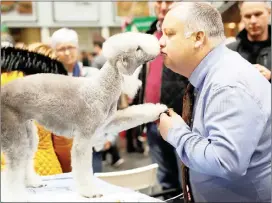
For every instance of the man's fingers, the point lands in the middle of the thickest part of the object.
(172, 113)
(258, 66)
(163, 115)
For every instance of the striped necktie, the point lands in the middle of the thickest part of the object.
(187, 111)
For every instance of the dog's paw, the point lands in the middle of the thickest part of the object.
(90, 192)
(34, 181)
(155, 110)
(161, 108)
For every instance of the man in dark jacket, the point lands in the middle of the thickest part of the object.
(254, 42)
(161, 85)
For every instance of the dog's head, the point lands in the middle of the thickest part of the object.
(127, 51)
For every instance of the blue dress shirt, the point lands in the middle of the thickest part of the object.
(228, 149)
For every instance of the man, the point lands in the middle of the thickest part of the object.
(254, 42)
(162, 85)
(228, 147)
(99, 60)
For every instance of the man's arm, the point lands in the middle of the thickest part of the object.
(234, 123)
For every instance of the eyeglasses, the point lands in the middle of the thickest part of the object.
(63, 49)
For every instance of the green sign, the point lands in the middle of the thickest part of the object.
(4, 28)
(141, 24)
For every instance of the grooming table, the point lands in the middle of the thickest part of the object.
(61, 188)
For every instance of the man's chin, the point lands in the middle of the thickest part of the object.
(255, 33)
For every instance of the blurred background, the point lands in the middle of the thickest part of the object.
(29, 22)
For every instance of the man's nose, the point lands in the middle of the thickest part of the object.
(253, 19)
(162, 42)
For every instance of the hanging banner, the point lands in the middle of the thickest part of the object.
(78, 11)
(132, 8)
(140, 24)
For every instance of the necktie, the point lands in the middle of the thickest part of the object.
(187, 111)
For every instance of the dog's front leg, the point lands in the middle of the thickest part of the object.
(82, 166)
(134, 116)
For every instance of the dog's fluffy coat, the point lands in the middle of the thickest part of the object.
(82, 108)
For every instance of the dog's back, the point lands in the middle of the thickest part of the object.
(42, 97)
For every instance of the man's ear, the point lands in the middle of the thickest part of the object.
(199, 39)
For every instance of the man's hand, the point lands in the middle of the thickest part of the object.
(264, 71)
(167, 122)
(107, 145)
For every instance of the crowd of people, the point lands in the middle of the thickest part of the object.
(227, 147)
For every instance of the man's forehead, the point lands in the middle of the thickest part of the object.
(171, 23)
(251, 6)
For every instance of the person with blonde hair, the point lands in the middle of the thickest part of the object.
(42, 48)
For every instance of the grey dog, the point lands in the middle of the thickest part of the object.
(82, 108)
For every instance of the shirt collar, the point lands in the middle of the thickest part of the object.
(200, 72)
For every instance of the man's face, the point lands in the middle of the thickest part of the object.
(255, 16)
(161, 8)
(176, 49)
(67, 53)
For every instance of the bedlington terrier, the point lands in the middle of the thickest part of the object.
(82, 108)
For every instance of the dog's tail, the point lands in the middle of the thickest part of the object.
(28, 62)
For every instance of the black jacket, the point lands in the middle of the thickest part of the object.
(254, 52)
(172, 87)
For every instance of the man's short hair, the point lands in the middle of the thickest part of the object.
(268, 4)
(64, 35)
(201, 16)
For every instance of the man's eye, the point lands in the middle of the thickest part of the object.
(170, 34)
(247, 16)
(258, 14)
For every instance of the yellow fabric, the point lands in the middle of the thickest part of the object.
(7, 77)
(45, 161)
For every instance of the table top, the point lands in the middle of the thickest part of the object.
(61, 188)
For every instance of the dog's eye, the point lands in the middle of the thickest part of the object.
(138, 48)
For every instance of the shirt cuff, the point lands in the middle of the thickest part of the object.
(176, 133)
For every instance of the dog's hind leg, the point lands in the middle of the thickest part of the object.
(32, 178)
(82, 166)
(15, 152)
